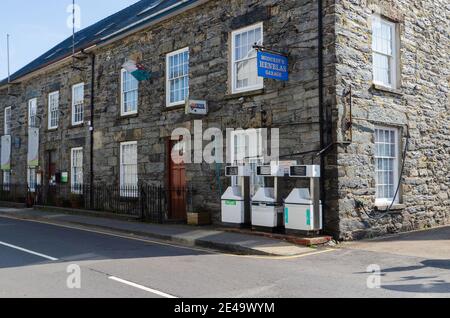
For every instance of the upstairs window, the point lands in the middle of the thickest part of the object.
(53, 110)
(32, 112)
(7, 121)
(387, 162)
(128, 169)
(177, 64)
(384, 47)
(244, 59)
(76, 170)
(78, 104)
(129, 97)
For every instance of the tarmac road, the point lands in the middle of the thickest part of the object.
(35, 257)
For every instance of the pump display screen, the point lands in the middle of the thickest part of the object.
(232, 171)
(264, 171)
(299, 171)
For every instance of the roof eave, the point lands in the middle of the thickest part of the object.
(107, 41)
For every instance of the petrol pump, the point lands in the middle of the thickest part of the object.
(236, 199)
(303, 208)
(267, 207)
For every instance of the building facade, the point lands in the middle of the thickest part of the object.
(367, 98)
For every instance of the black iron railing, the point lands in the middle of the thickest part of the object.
(16, 193)
(152, 203)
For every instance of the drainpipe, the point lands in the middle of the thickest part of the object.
(91, 128)
(321, 101)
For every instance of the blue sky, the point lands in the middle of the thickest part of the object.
(37, 25)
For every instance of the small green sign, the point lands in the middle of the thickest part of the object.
(64, 177)
(230, 202)
(286, 215)
(308, 217)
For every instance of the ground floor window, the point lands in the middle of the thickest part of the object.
(247, 149)
(76, 179)
(128, 169)
(31, 179)
(6, 180)
(386, 165)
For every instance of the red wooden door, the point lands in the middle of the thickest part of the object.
(177, 185)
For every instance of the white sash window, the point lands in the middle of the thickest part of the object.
(384, 47)
(130, 95)
(53, 110)
(7, 121)
(128, 169)
(78, 104)
(177, 64)
(387, 162)
(244, 59)
(76, 170)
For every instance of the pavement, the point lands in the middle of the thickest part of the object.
(432, 243)
(39, 260)
(181, 234)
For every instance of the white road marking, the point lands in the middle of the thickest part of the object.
(153, 291)
(145, 240)
(28, 251)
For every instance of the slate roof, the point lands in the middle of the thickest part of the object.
(123, 21)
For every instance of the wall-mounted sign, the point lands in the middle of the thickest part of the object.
(6, 153)
(197, 107)
(33, 147)
(64, 177)
(273, 66)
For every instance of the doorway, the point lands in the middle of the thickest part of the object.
(177, 188)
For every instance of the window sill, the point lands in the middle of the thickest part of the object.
(126, 116)
(395, 208)
(386, 89)
(52, 129)
(245, 94)
(73, 126)
(174, 108)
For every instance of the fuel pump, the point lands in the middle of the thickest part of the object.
(303, 208)
(236, 199)
(267, 207)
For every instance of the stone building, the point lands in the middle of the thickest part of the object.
(367, 99)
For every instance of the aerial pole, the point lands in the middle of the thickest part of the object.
(7, 57)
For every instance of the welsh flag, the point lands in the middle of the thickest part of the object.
(137, 70)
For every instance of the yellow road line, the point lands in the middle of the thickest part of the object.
(131, 237)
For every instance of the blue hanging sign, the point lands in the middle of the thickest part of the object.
(273, 66)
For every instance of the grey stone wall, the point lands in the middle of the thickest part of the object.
(290, 106)
(420, 103)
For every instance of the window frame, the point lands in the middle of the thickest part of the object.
(253, 161)
(30, 101)
(394, 62)
(260, 84)
(123, 187)
(382, 201)
(168, 79)
(31, 176)
(7, 121)
(73, 185)
(50, 95)
(6, 180)
(122, 95)
(74, 122)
